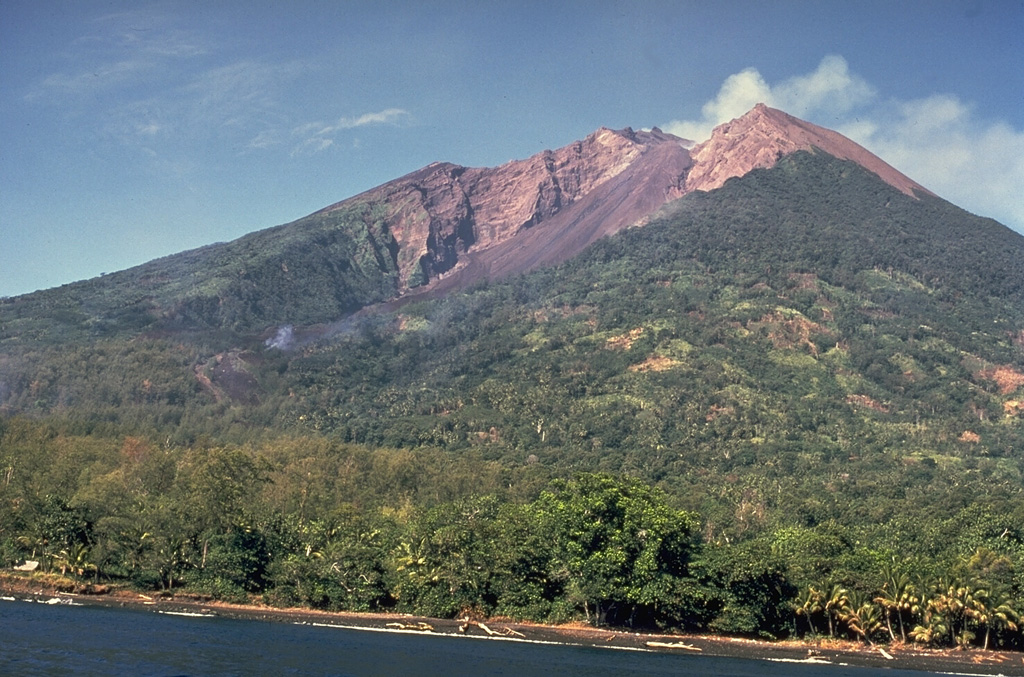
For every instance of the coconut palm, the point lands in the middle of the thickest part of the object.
(861, 616)
(79, 560)
(933, 607)
(36, 544)
(833, 604)
(960, 603)
(995, 613)
(809, 604)
(896, 598)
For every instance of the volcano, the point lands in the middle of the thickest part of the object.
(456, 226)
(437, 230)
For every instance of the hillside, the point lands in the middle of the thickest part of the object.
(771, 319)
(425, 227)
(821, 373)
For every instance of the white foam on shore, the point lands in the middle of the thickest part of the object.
(813, 661)
(59, 600)
(190, 614)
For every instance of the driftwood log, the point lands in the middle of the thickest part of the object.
(420, 627)
(674, 645)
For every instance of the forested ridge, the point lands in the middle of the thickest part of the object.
(792, 405)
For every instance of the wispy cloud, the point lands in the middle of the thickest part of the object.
(141, 81)
(233, 104)
(118, 50)
(939, 141)
(318, 136)
(384, 117)
(56, 86)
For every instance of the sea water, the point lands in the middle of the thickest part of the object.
(59, 639)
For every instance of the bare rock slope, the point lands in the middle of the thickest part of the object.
(758, 139)
(456, 225)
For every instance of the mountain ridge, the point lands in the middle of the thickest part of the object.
(439, 229)
(544, 209)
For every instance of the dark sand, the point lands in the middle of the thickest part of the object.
(975, 661)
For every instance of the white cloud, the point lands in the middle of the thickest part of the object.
(148, 129)
(312, 145)
(265, 139)
(943, 144)
(318, 136)
(388, 116)
(939, 141)
(830, 89)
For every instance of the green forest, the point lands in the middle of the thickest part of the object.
(793, 406)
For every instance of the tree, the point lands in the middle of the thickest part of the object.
(447, 558)
(833, 605)
(211, 489)
(860, 616)
(620, 552)
(999, 614)
(809, 604)
(896, 598)
(749, 587)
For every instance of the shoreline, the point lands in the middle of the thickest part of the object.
(822, 651)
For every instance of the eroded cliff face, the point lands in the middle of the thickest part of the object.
(455, 225)
(443, 212)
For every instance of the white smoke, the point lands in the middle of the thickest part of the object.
(282, 340)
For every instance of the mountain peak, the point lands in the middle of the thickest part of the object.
(757, 139)
(451, 226)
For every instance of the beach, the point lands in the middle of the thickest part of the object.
(824, 652)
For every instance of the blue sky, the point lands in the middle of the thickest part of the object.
(133, 130)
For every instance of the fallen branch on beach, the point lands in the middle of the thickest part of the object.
(674, 645)
(504, 632)
(419, 627)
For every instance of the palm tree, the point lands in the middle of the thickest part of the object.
(808, 604)
(959, 602)
(170, 556)
(896, 597)
(35, 544)
(997, 613)
(861, 616)
(78, 560)
(931, 603)
(834, 603)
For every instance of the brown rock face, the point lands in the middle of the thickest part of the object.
(456, 225)
(443, 215)
(760, 137)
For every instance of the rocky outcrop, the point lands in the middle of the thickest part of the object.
(455, 225)
(763, 135)
(443, 213)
